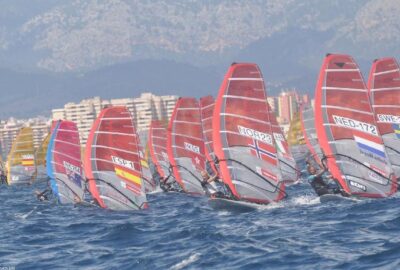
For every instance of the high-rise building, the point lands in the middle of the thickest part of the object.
(40, 127)
(9, 130)
(288, 106)
(143, 110)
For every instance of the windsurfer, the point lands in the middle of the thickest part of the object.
(211, 184)
(42, 195)
(3, 177)
(321, 182)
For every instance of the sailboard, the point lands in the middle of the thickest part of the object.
(64, 163)
(243, 137)
(21, 159)
(185, 145)
(384, 90)
(40, 158)
(347, 131)
(287, 164)
(112, 161)
(310, 133)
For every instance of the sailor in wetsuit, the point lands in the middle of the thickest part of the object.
(42, 195)
(210, 185)
(3, 178)
(321, 183)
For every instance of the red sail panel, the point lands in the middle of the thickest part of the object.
(185, 145)
(384, 90)
(158, 147)
(206, 112)
(67, 163)
(347, 131)
(287, 164)
(243, 139)
(113, 163)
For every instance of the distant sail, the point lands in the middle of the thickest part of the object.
(206, 112)
(112, 161)
(384, 90)
(64, 165)
(287, 164)
(347, 130)
(310, 133)
(295, 135)
(243, 139)
(21, 159)
(158, 148)
(185, 145)
(40, 158)
(149, 183)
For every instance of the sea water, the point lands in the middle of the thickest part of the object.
(183, 232)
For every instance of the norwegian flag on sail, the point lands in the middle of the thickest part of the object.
(262, 151)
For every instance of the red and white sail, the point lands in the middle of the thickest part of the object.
(243, 137)
(307, 120)
(158, 148)
(185, 145)
(384, 90)
(347, 131)
(113, 162)
(206, 112)
(287, 164)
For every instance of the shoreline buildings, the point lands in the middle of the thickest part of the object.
(144, 108)
(10, 128)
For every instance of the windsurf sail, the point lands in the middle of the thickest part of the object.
(158, 148)
(243, 139)
(287, 164)
(185, 145)
(295, 135)
(206, 112)
(64, 164)
(21, 159)
(384, 90)
(310, 133)
(149, 184)
(112, 161)
(40, 158)
(347, 131)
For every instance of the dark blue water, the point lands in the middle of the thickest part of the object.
(182, 232)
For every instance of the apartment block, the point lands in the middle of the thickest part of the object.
(144, 109)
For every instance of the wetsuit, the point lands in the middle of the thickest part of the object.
(321, 187)
(42, 196)
(3, 179)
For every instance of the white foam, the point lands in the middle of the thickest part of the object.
(193, 258)
(25, 216)
(305, 200)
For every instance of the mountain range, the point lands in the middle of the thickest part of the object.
(55, 51)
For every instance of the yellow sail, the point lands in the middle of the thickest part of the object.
(295, 134)
(40, 159)
(21, 159)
